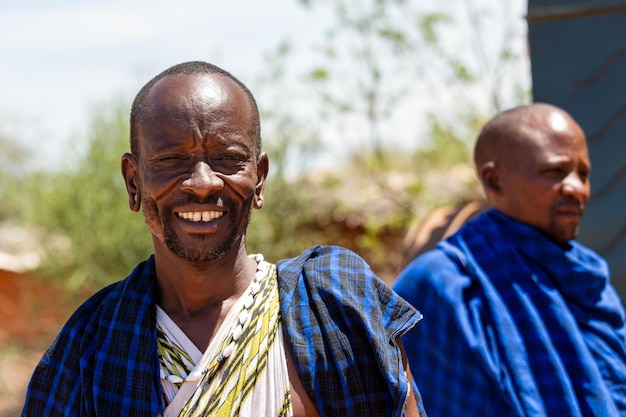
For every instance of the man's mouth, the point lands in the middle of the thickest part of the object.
(571, 211)
(200, 216)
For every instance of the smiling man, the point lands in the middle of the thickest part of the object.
(519, 318)
(203, 328)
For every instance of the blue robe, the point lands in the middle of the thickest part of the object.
(515, 325)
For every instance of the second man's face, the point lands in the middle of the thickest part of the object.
(547, 184)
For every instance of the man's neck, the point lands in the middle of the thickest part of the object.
(198, 296)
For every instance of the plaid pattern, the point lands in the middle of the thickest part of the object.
(104, 361)
(342, 322)
(515, 325)
(340, 319)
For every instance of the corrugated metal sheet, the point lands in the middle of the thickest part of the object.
(542, 10)
(579, 64)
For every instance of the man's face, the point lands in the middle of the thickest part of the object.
(197, 168)
(545, 178)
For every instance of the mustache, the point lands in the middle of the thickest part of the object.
(192, 199)
(572, 203)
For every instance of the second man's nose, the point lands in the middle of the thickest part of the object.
(576, 186)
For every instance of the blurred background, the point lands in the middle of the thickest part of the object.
(369, 112)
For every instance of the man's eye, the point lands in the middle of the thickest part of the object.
(170, 158)
(232, 157)
(584, 175)
(556, 171)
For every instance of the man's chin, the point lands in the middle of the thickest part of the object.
(565, 235)
(196, 255)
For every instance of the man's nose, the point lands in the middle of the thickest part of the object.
(576, 186)
(203, 180)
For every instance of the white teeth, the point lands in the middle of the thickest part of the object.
(200, 216)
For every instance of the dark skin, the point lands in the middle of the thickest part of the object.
(534, 167)
(198, 177)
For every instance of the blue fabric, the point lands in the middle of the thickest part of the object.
(342, 323)
(104, 361)
(515, 325)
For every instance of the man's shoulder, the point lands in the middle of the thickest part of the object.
(431, 263)
(327, 270)
(438, 272)
(323, 261)
(89, 310)
(322, 253)
(133, 286)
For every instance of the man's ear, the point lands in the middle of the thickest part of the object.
(262, 168)
(130, 174)
(489, 175)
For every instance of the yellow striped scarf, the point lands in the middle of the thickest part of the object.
(252, 379)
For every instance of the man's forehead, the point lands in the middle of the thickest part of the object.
(199, 87)
(557, 122)
(183, 98)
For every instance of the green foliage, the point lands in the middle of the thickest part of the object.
(95, 238)
(276, 229)
(279, 229)
(444, 149)
(13, 158)
(377, 56)
(428, 25)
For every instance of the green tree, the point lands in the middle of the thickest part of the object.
(404, 87)
(282, 228)
(93, 236)
(392, 69)
(13, 159)
(378, 56)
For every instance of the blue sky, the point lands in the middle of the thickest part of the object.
(61, 58)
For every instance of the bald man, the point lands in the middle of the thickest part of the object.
(519, 318)
(202, 327)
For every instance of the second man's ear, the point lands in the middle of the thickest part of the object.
(490, 177)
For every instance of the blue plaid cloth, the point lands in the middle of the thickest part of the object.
(104, 361)
(515, 325)
(342, 322)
